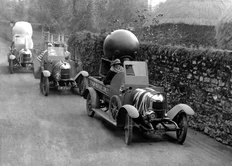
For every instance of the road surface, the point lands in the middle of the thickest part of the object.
(56, 131)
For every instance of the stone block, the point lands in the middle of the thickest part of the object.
(207, 79)
(221, 83)
(214, 81)
(201, 78)
(189, 76)
(206, 130)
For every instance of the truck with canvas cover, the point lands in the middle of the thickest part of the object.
(20, 56)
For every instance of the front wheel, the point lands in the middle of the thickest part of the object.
(11, 66)
(82, 85)
(89, 108)
(128, 130)
(115, 105)
(44, 85)
(181, 133)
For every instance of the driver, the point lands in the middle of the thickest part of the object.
(44, 54)
(116, 67)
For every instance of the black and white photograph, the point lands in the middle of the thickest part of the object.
(116, 83)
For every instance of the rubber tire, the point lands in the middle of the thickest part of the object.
(44, 85)
(183, 125)
(89, 110)
(115, 105)
(11, 66)
(82, 85)
(128, 129)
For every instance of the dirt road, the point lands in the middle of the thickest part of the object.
(55, 131)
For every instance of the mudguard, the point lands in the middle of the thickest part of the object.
(46, 73)
(94, 97)
(178, 108)
(82, 73)
(123, 111)
(131, 110)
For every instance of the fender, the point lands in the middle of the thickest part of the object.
(178, 108)
(12, 57)
(126, 109)
(94, 96)
(81, 73)
(131, 110)
(46, 73)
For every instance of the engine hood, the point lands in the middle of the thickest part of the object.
(143, 99)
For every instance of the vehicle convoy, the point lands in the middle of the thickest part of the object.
(20, 56)
(57, 71)
(130, 101)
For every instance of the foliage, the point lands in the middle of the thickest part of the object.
(193, 12)
(76, 15)
(70, 16)
(81, 16)
(182, 34)
(52, 13)
(224, 30)
(117, 14)
(87, 47)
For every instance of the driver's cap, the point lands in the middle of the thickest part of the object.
(115, 62)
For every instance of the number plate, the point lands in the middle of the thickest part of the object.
(64, 88)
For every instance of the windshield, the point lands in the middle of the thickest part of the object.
(56, 51)
(136, 68)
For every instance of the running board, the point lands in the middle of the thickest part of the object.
(105, 116)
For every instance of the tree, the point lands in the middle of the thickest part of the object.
(126, 14)
(224, 30)
(76, 15)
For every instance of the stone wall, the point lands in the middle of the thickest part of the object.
(199, 78)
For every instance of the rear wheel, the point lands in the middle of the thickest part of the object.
(89, 108)
(44, 85)
(181, 133)
(11, 66)
(115, 105)
(128, 129)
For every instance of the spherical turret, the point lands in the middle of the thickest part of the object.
(121, 44)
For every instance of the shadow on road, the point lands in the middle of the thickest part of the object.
(4, 69)
(138, 135)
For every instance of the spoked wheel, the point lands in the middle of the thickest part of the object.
(89, 109)
(128, 130)
(82, 85)
(115, 105)
(183, 127)
(11, 66)
(44, 85)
